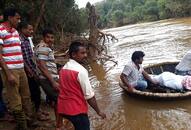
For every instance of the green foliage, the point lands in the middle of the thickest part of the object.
(120, 12)
(163, 10)
(60, 15)
(118, 5)
(118, 17)
(151, 7)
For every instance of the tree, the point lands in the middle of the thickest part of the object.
(117, 17)
(164, 12)
(44, 13)
(151, 10)
(141, 10)
(118, 5)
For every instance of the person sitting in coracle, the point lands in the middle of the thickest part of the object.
(184, 66)
(133, 75)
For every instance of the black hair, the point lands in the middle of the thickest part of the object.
(23, 25)
(74, 47)
(47, 31)
(9, 12)
(137, 55)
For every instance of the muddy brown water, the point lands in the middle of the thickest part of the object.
(166, 40)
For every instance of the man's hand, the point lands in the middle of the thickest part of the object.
(36, 77)
(131, 88)
(102, 115)
(56, 86)
(126, 83)
(155, 82)
(29, 72)
(11, 79)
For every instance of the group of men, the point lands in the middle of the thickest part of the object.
(24, 71)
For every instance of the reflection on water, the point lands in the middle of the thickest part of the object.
(166, 40)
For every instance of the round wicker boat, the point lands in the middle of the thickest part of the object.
(168, 95)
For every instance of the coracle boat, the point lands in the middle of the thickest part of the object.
(158, 92)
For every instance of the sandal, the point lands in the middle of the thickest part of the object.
(48, 124)
(43, 118)
(44, 112)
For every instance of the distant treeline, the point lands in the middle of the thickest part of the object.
(121, 12)
(65, 16)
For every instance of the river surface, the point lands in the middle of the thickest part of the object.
(166, 40)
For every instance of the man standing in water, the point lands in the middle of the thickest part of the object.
(76, 91)
(133, 75)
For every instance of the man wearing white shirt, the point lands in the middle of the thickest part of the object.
(133, 75)
(184, 67)
(76, 91)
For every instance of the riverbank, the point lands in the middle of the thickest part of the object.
(43, 125)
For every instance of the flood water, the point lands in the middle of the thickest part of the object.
(166, 40)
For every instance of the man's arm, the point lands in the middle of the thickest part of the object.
(89, 93)
(28, 70)
(147, 77)
(123, 78)
(125, 73)
(45, 72)
(25, 57)
(93, 103)
(10, 77)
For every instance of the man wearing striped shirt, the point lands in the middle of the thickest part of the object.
(12, 67)
(46, 63)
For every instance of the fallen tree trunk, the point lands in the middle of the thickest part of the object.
(95, 40)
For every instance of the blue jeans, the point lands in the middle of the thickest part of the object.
(141, 85)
